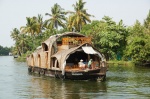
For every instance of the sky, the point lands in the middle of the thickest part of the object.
(13, 13)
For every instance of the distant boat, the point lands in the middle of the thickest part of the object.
(10, 54)
(57, 55)
(15, 56)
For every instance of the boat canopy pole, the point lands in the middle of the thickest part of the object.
(64, 64)
(63, 67)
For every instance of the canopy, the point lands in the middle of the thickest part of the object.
(89, 50)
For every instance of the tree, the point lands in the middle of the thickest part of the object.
(4, 50)
(40, 22)
(56, 19)
(23, 43)
(108, 36)
(15, 34)
(78, 18)
(32, 27)
(147, 20)
(138, 44)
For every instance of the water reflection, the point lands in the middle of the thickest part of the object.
(67, 89)
(129, 81)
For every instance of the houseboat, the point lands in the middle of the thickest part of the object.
(61, 55)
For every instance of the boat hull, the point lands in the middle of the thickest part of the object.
(96, 74)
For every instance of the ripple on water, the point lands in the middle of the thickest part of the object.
(122, 82)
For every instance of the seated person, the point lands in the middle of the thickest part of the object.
(81, 64)
(90, 63)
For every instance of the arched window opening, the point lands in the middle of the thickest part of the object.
(45, 47)
(39, 60)
(57, 64)
(53, 62)
(32, 60)
(46, 58)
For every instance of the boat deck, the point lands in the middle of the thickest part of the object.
(77, 69)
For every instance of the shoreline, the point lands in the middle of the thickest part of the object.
(116, 62)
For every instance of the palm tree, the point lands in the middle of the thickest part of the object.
(56, 19)
(78, 18)
(23, 42)
(40, 22)
(15, 34)
(15, 51)
(32, 26)
(147, 20)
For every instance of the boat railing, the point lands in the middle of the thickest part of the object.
(94, 65)
(75, 40)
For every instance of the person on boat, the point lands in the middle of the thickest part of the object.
(81, 64)
(90, 63)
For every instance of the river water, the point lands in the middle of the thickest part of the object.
(123, 82)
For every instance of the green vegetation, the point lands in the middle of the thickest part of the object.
(125, 63)
(108, 36)
(4, 50)
(116, 40)
(79, 17)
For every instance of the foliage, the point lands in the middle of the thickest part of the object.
(32, 27)
(124, 63)
(147, 20)
(4, 50)
(56, 18)
(138, 45)
(78, 18)
(108, 36)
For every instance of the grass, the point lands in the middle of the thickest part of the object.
(21, 58)
(116, 62)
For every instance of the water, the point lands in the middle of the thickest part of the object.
(125, 82)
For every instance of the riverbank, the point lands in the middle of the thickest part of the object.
(116, 62)
(21, 58)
